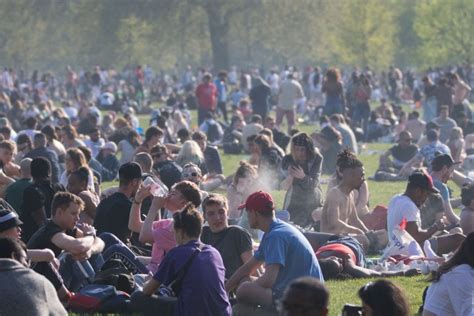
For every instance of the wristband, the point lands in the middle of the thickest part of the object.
(137, 202)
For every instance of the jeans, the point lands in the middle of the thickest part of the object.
(430, 109)
(221, 105)
(115, 248)
(75, 273)
(202, 114)
(361, 115)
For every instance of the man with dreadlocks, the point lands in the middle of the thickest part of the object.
(339, 214)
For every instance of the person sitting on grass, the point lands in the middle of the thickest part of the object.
(7, 152)
(383, 297)
(405, 207)
(452, 289)
(77, 184)
(467, 214)
(233, 242)
(10, 226)
(24, 292)
(284, 250)
(339, 214)
(442, 168)
(426, 153)
(394, 158)
(158, 231)
(305, 296)
(61, 233)
(202, 290)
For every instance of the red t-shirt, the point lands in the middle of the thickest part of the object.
(206, 94)
(343, 249)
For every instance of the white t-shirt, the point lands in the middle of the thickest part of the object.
(400, 207)
(453, 294)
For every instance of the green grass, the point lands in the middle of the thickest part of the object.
(342, 292)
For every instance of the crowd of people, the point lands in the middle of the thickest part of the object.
(90, 197)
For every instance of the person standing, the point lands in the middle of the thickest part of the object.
(290, 93)
(334, 90)
(430, 104)
(445, 123)
(220, 84)
(260, 95)
(361, 113)
(206, 95)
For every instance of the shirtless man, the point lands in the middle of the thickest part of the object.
(339, 211)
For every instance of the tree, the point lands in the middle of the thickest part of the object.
(445, 28)
(366, 34)
(219, 13)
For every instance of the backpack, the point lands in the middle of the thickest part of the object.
(98, 298)
(114, 273)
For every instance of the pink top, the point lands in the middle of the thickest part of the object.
(163, 241)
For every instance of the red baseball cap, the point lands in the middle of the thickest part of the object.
(258, 201)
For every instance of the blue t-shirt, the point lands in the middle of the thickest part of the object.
(443, 189)
(202, 291)
(287, 246)
(428, 152)
(221, 90)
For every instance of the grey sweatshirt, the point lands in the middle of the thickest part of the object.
(25, 292)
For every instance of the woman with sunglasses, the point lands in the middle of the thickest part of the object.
(383, 298)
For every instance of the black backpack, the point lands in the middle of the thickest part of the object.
(114, 272)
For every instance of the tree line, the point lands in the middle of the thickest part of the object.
(49, 34)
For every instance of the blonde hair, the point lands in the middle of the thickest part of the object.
(190, 152)
(456, 133)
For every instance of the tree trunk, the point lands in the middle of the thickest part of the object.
(219, 32)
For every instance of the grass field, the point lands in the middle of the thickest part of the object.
(342, 292)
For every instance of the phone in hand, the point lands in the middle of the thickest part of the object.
(351, 310)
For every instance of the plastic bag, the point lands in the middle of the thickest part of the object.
(402, 243)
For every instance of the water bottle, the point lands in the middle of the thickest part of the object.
(157, 188)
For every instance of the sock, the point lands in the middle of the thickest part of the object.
(430, 254)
